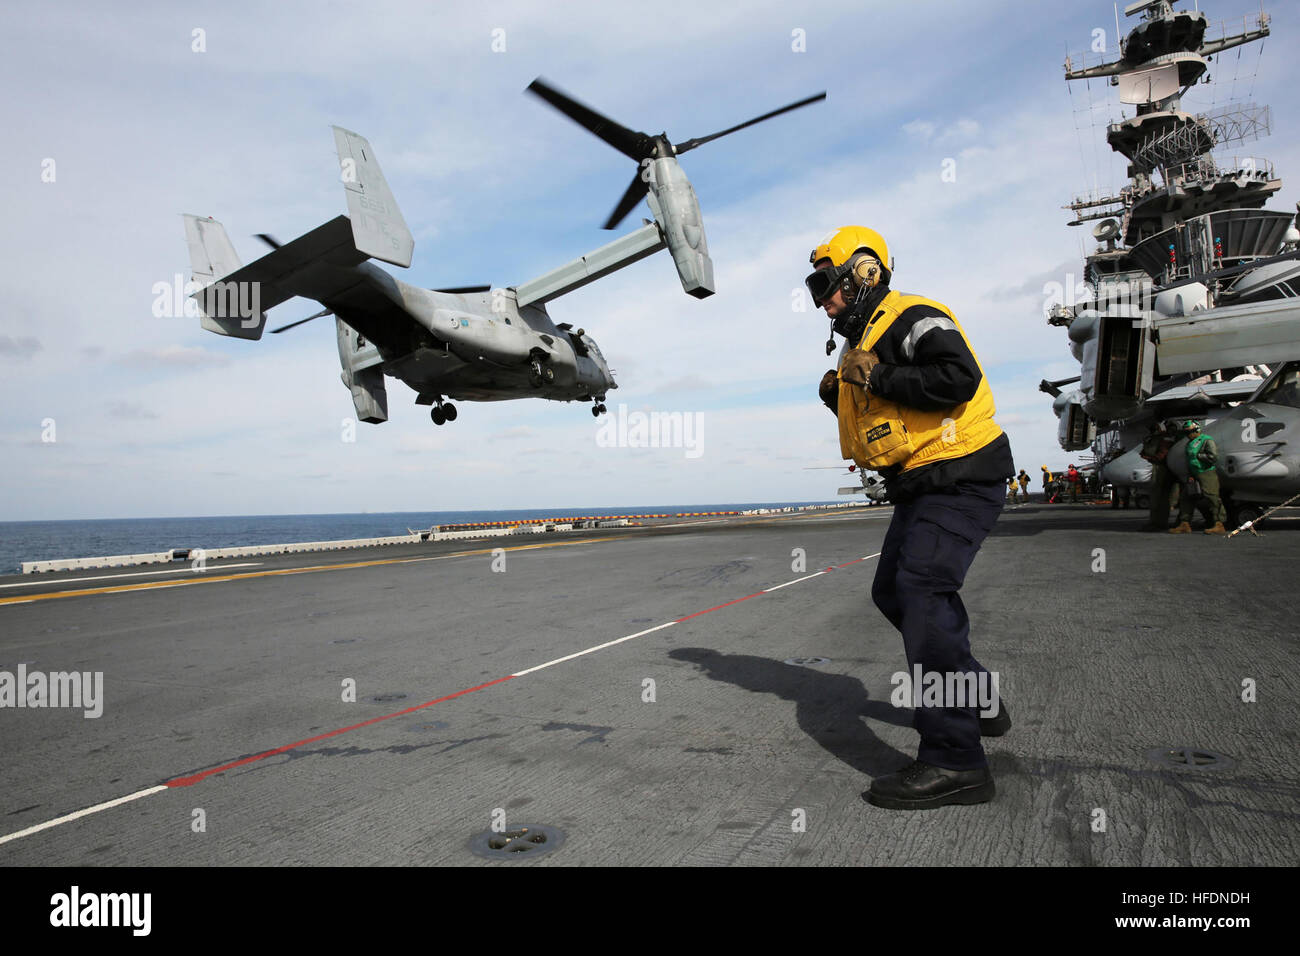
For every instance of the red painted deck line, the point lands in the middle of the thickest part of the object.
(192, 779)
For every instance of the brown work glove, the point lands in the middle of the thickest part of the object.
(829, 391)
(857, 366)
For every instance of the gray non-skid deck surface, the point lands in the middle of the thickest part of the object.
(1098, 668)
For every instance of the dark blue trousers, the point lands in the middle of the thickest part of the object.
(928, 549)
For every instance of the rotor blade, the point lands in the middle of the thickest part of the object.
(301, 321)
(692, 143)
(631, 144)
(270, 240)
(636, 191)
(466, 288)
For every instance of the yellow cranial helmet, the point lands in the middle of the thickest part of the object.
(842, 243)
(842, 248)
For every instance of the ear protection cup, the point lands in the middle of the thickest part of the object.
(866, 271)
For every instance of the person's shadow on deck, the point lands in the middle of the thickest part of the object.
(828, 707)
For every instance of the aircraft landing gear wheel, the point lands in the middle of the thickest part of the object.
(449, 411)
(548, 374)
(437, 414)
(595, 411)
(603, 409)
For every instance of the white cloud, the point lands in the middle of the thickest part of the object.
(22, 347)
(920, 129)
(927, 131)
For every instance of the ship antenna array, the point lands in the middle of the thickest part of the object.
(1259, 56)
(1096, 134)
(1260, 22)
(1236, 72)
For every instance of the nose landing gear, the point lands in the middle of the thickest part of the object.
(599, 408)
(443, 412)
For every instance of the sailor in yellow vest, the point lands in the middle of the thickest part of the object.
(1012, 490)
(914, 405)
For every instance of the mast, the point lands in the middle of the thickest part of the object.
(1190, 274)
(1172, 176)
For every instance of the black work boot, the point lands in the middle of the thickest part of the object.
(923, 786)
(998, 724)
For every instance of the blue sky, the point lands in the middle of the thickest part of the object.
(154, 417)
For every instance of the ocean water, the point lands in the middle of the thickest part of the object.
(46, 540)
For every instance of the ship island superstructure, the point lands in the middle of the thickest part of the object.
(1195, 286)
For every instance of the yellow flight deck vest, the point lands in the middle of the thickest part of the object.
(877, 433)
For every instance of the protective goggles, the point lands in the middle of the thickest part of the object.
(823, 283)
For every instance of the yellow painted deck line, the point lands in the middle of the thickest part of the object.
(215, 578)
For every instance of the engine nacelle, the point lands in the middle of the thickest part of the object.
(676, 209)
(363, 374)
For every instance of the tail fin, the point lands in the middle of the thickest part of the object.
(235, 302)
(211, 254)
(227, 306)
(378, 228)
(234, 298)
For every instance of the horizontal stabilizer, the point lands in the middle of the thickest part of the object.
(236, 303)
(378, 228)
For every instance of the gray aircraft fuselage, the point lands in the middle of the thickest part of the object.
(468, 343)
(472, 346)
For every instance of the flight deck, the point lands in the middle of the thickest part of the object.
(710, 691)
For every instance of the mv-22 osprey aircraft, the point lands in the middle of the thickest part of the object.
(471, 343)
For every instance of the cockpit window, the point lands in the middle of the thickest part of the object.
(1285, 389)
